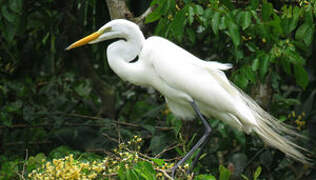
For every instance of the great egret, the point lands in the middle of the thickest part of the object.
(191, 87)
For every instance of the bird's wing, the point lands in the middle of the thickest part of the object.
(204, 82)
(201, 80)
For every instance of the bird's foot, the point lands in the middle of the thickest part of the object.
(173, 171)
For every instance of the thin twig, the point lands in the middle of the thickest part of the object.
(119, 122)
(109, 175)
(24, 164)
(167, 149)
(144, 15)
(21, 175)
(22, 143)
(110, 138)
(84, 124)
(164, 173)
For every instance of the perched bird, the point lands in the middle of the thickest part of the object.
(191, 87)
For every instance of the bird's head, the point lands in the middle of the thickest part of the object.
(119, 28)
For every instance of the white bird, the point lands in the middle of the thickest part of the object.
(191, 87)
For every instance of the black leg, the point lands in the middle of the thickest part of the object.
(196, 159)
(199, 144)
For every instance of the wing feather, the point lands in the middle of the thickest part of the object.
(201, 80)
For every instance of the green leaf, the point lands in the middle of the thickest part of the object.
(264, 65)
(262, 30)
(83, 89)
(5, 119)
(309, 15)
(255, 64)
(159, 162)
(308, 104)
(290, 23)
(233, 31)
(249, 74)
(286, 66)
(178, 24)
(251, 46)
(245, 19)
(161, 27)
(254, 4)
(301, 76)
(204, 177)
(300, 32)
(224, 173)
(191, 35)
(257, 173)
(276, 26)
(240, 80)
(282, 118)
(9, 32)
(9, 16)
(156, 14)
(215, 22)
(157, 143)
(198, 9)
(16, 6)
(207, 17)
(293, 57)
(305, 32)
(190, 15)
(228, 3)
(222, 23)
(267, 10)
(309, 35)
(238, 53)
(146, 170)
(150, 128)
(244, 177)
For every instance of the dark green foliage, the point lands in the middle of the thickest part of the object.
(51, 100)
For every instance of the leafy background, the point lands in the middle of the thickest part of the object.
(55, 103)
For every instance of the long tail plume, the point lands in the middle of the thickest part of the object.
(274, 132)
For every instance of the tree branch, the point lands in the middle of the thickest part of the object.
(118, 9)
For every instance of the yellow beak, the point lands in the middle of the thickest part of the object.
(84, 40)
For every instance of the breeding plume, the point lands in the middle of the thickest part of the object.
(191, 87)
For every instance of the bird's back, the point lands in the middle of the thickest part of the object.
(182, 78)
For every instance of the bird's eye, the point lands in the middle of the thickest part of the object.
(107, 29)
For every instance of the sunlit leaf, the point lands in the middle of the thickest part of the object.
(255, 64)
(215, 22)
(198, 9)
(224, 173)
(204, 177)
(267, 10)
(233, 31)
(257, 173)
(245, 19)
(159, 162)
(301, 76)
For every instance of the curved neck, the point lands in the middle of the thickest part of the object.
(121, 52)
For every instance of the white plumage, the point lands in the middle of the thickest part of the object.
(182, 79)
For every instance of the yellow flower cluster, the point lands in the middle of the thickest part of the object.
(125, 156)
(300, 122)
(67, 168)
